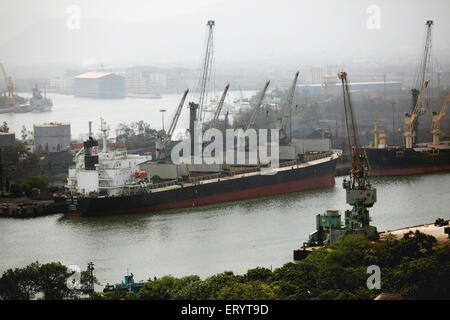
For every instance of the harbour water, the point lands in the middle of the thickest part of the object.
(207, 240)
(79, 110)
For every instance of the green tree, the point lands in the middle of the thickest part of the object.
(25, 283)
(17, 150)
(254, 290)
(52, 281)
(4, 127)
(161, 289)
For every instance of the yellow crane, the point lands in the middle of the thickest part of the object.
(410, 119)
(436, 119)
(10, 100)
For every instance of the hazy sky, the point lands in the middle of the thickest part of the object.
(257, 32)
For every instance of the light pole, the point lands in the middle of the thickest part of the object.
(162, 113)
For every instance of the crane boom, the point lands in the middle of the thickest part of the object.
(251, 123)
(436, 118)
(219, 107)
(360, 194)
(411, 120)
(206, 70)
(418, 106)
(287, 105)
(420, 77)
(5, 76)
(163, 140)
(352, 130)
(10, 100)
(445, 105)
(174, 122)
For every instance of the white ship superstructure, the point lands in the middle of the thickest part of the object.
(106, 172)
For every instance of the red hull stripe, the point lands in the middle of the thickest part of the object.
(286, 187)
(74, 214)
(407, 171)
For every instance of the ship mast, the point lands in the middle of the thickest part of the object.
(104, 130)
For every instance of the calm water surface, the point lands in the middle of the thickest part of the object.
(79, 110)
(234, 236)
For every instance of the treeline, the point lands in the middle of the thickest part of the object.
(411, 266)
(50, 281)
(26, 185)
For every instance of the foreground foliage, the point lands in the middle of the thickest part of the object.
(50, 281)
(410, 266)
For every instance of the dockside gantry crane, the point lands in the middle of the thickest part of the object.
(420, 76)
(162, 142)
(436, 119)
(286, 109)
(411, 119)
(359, 192)
(206, 71)
(10, 100)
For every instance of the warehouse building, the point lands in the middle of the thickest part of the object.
(52, 137)
(330, 86)
(6, 139)
(99, 85)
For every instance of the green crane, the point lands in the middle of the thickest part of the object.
(359, 192)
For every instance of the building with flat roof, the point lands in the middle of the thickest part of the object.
(6, 139)
(52, 137)
(99, 85)
(330, 86)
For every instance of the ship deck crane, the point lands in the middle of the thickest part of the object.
(251, 122)
(411, 119)
(162, 143)
(286, 108)
(10, 100)
(219, 107)
(420, 77)
(436, 119)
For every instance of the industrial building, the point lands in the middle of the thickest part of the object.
(62, 84)
(99, 85)
(330, 87)
(6, 139)
(150, 80)
(52, 137)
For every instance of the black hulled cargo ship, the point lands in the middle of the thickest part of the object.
(244, 184)
(397, 161)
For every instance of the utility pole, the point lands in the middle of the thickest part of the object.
(393, 123)
(90, 268)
